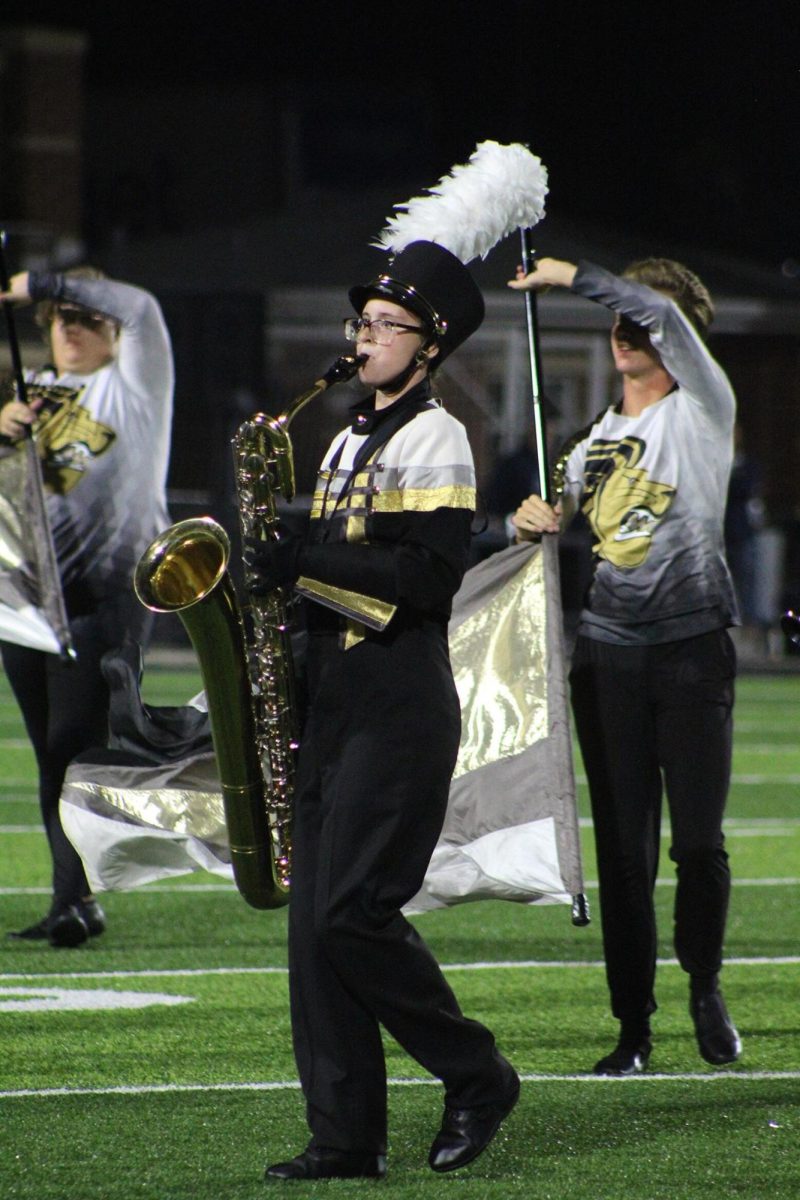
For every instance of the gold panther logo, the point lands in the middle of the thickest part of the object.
(68, 438)
(622, 504)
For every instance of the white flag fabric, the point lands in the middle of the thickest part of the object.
(511, 830)
(31, 604)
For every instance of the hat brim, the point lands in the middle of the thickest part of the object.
(399, 293)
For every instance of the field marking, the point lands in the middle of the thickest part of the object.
(742, 780)
(765, 748)
(230, 889)
(158, 890)
(294, 1084)
(62, 999)
(788, 960)
(759, 780)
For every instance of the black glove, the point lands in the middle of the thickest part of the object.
(271, 564)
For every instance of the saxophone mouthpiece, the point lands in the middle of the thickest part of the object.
(343, 369)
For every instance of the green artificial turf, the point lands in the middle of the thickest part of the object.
(191, 1100)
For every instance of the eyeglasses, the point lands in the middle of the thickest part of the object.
(79, 316)
(380, 331)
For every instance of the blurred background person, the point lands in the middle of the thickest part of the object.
(102, 412)
(744, 520)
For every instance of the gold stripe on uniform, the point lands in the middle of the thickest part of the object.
(353, 634)
(376, 614)
(356, 529)
(425, 499)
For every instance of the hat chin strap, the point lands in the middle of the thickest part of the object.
(399, 382)
(395, 385)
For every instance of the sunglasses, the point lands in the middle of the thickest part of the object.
(79, 316)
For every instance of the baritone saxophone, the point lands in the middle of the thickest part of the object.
(250, 690)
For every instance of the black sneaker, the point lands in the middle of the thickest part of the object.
(717, 1039)
(629, 1057)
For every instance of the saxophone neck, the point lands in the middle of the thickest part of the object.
(265, 439)
(339, 372)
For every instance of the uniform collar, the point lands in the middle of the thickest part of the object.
(364, 418)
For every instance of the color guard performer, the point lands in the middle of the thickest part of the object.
(653, 670)
(102, 414)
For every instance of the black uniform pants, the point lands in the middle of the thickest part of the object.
(65, 710)
(651, 718)
(377, 754)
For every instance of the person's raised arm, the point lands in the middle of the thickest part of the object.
(144, 355)
(683, 352)
(546, 273)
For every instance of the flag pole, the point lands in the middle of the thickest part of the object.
(580, 906)
(534, 355)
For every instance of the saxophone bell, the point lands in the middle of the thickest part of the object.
(184, 571)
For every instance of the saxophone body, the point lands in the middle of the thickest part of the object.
(250, 691)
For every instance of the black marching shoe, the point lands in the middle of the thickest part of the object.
(64, 928)
(629, 1057)
(717, 1039)
(322, 1163)
(466, 1132)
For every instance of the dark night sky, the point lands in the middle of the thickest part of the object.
(678, 120)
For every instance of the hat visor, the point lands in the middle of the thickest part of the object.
(398, 293)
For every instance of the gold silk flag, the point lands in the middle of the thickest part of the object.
(511, 831)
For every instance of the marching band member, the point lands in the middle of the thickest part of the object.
(386, 552)
(102, 414)
(388, 546)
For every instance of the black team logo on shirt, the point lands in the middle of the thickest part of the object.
(622, 504)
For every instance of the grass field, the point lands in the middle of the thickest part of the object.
(155, 1063)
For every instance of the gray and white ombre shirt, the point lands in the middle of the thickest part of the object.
(106, 450)
(654, 487)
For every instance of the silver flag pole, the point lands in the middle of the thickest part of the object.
(580, 905)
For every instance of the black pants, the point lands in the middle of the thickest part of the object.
(65, 710)
(376, 758)
(651, 718)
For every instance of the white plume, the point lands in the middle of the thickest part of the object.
(500, 189)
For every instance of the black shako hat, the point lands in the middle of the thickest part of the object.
(431, 282)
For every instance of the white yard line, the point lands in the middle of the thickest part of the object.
(230, 889)
(743, 780)
(739, 1075)
(792, 960)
